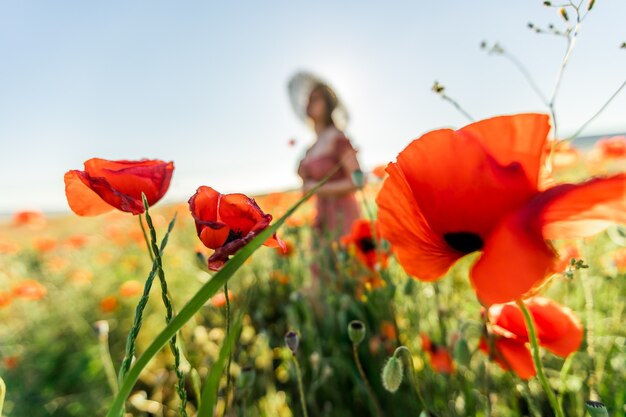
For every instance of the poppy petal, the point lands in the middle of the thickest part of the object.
(515, 356)
(130, 178)
(458, 186)
(515, 261)
(519, 139)
(558, 329)
(578, 210)
(82, 199)
(419, 250)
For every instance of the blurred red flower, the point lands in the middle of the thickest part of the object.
(362, 240)
(228, 222)
(29, 289)
(5, 299)
(106, 185)
(108, 304)
(438, 356)
(558, 330)
(452, 193)
(379, 171)
(612, 147)
(131, 288)
(33, 219)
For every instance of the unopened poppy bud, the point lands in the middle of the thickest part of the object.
(547, 3)
(356, 331)
(461, 352)
(596, 409)
(392, 374)
(292, 342)
(564, 14)
(623, 46)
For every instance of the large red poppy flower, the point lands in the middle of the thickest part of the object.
(558, 330)
(228, 222)
(105, 185)
(362, 239)
(451, 193)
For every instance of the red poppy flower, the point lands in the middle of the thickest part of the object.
(29, 289)
(228, 222)
(105, 185)
(451, 193)
(438, 356)
(362, 239)
(612, 147)
(558, 330)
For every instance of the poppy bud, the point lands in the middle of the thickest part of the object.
(392, 374)
(292, 342)
(564, 14)
(356, 332)
(596, 409)
(358, 178)
(547, 3)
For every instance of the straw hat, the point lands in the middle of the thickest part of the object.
(300, 87)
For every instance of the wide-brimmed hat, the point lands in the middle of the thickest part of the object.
(300, 87)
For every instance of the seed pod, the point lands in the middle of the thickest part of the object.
(356, 331)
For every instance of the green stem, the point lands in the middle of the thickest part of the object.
(230, 353)
(180, 386)
(412, 378)
(199, 299)
(368, 387)
(534, 343)
(300, 386)
(145, 237)
(138, 319)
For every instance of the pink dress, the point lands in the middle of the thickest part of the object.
(335, 214)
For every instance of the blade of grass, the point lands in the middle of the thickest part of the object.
(211, 386)
(199, 299)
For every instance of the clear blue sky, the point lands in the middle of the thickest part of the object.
(203, 83)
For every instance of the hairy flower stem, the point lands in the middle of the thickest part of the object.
(412, 378)
(534, 344)
(180, 386)
(300, 386)
(368, 387)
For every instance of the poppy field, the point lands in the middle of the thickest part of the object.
(486, 276)
(367, 337)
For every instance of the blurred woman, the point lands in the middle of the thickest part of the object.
(337, 207)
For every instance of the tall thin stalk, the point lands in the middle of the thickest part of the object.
(180, 386)
(534, 344)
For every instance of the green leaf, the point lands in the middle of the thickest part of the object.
(596, 409)
(198, 300)
(211, 386)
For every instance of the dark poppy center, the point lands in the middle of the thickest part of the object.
(464, 242)
(233, 234)
(366, 244)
